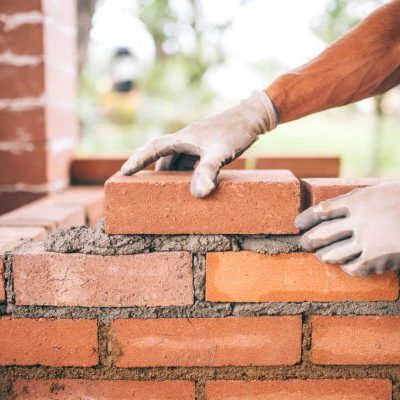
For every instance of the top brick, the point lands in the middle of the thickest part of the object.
(245, 202)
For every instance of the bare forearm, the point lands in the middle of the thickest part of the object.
(363, 63)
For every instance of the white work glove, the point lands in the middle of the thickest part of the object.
(217, 140)
(360, 230)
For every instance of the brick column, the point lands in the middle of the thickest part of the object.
(38, 118)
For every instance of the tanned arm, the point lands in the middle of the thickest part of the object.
(363, 63)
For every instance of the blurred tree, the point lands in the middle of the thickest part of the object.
(340, 16)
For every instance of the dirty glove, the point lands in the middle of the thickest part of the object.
(360, 230)
(217, 140)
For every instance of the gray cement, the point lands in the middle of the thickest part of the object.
(87, 240)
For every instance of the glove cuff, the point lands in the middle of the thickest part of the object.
(264, 110)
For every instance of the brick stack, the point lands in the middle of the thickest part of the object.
(38, 120)
(170, 320)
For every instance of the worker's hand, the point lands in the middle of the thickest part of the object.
(360, 230)
(217, 140)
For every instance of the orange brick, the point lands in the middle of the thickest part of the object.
(62, 342)
(319, 189)
(155, 279)
(21, 81)
(161, 202)
(207, 342)
(250, 277)
(41, 213)
(10, 238)
(356, 340)
(321, 389)
(68, 389)
(302, 167)
(238, 163)
(90, 198)
(12, 6)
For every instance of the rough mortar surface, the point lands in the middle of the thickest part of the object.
(86, 240)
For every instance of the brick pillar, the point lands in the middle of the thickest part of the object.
(38, 117)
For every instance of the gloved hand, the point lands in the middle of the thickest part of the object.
(217, 140)
(360, 230)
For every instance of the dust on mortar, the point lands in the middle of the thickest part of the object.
(87, 240)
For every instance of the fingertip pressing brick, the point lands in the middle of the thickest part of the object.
(206, 341)
(315, 190)
(68, 389)
(309, 389)
(251, 277)
(151, 279)
(361, 340)
(49, 342)
(161, 203)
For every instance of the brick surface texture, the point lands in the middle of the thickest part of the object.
(321, 389)
(63, 342)
(156, 279)
(68, 389)
(356, 340)
(244, 202)
(207, 342)
(250, 277)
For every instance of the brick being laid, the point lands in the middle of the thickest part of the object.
(246, 202)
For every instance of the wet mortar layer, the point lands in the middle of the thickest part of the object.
(86, 240)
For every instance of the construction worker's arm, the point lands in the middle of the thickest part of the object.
(363, 63)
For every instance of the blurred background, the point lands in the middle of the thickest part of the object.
(150, 67)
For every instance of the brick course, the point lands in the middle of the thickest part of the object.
(207, 342)
(251, 277)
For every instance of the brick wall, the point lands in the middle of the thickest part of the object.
(213, 315)
(38, 120)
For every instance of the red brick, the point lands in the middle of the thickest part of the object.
(12, 6)
(23, 126)
(95, 170)
(161, 202)
(68, 389)
(321, 389)
(90, 198)
(155, 279)
(43, 165)
(62, 342)
(11, 200)
(356, 340)
(2, 280)
(302, 167)
(21, 81)
(251, 277)
(207, 342)
(10, 237)
(15, 41)
(41, 213)
(319, 189)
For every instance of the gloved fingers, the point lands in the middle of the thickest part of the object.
(148, 153)
(340, 252)
(378, 265)
(205, 176)
(326, 233)
(328, 209)
(177, 162)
